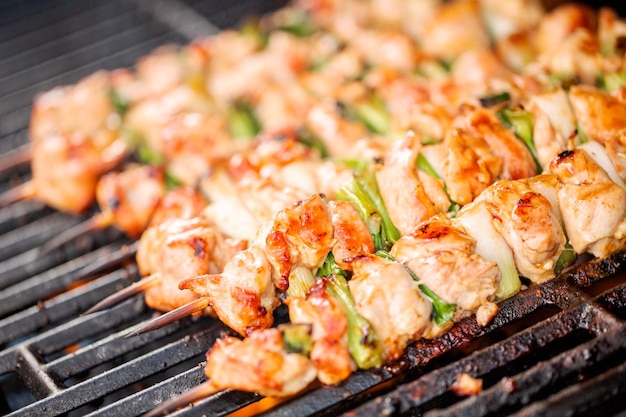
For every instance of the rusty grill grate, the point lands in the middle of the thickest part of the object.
(556, 349)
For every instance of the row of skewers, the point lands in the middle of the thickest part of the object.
(380, 178)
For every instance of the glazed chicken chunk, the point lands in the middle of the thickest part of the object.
(443, 257)
(529, 225)
(243, 295)
(74, 141)
(179, 249)
(388, 297)
(258, 363)
(130, 197)
(403, 193)
(592, 204)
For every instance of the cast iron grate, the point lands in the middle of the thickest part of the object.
(555, 349)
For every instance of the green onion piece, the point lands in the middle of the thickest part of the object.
(300, 280)
(149, 156)
(613, 80)
(297, 337)
(581, 137)
(422, 164)
(495, 99)
(242, 122)
(374, 115)
(120, 104)
(308, 138)
(171, 182)
(478, 223)
(521, 121)
(364, 194)
(567, 258)
(299, 25)
(363, 343)
(330, 267)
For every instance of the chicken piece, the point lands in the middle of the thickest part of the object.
(480, 72)
(443, 257)
(338, 134)
(387, 296)
(300, 236)
(616, 151)
(352, 238)
(577, 58)
(611, 32)
(528, 224)
(242, 217)
(179, 249)
(281, 108)
(403, 194)
(469, 166)
(311, 176)
(553, 123)
(193, 142)
(172, 213)
(130, 197)
(181, 203)
(600, 115)
(83, 109)
(258, 363)
(74, 138)
(243, 295)
(387, 48)
(506, 18)
(435, 190)
(455, 28)
(517, 161)
(66, 170)
(558, 24)
(548, 185)
(593, 206)
(329, 354)
(267, 153)
(146, 120)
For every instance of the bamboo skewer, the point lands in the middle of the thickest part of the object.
(171, 316)
(130, 291)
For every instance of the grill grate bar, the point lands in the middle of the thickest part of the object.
(108, 348)
(64, 306)
(27, 367)
(587, 399)
(39, 287)
(17, 81)
(74, 31)
(123, 375)
(521, 389)
(20, 214)
(18, 26)
(144, 401)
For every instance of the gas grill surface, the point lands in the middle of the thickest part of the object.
(556, 349)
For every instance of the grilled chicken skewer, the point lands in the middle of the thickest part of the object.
(441, 250)
(74, 139)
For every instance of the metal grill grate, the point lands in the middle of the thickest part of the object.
(554, 350)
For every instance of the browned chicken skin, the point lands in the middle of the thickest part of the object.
(527, 222)
(130, 197)
(259, 363)
(593, 206)
(443, 257)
